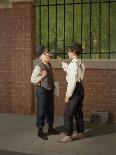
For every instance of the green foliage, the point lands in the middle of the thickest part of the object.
(4, 1)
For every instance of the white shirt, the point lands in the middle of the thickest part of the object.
(36, 75)
(74, 74)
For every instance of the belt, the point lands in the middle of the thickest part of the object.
(77, 83)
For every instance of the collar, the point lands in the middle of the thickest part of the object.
(77, 61)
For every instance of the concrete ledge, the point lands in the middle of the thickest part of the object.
(90, 64)
(21, 1)
(6, 5)
(100, 64)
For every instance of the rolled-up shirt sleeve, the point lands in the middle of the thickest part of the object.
(71, 79)
(64, 66)
(36, 75)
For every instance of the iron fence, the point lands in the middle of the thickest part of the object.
(90, 22)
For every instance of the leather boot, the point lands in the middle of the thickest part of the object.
(41, 134)
(52, 131)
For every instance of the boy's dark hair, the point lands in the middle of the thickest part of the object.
(77, 47)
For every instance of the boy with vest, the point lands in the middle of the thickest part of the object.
(42, 77)
(74, 94)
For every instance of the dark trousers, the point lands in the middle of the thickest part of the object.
(45, 107)
(73, 109)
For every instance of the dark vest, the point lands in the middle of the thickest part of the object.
(48, 81)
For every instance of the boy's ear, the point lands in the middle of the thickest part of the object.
(74, 52)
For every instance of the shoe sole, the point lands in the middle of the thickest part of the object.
(65, 141)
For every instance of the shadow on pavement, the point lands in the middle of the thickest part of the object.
(94, 129)
(4, 152)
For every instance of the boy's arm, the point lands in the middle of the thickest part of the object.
(72, 79)
(64, 65)
(36, 75)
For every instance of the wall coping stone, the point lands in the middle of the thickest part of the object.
(89, 64)
(17, 1)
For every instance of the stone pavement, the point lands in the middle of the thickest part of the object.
(18, 136)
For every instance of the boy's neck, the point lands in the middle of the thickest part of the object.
(45, 62)
(75, 57)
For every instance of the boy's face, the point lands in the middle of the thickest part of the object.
(70, 54)
(46, 55)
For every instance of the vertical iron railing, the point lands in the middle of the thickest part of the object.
(99, 29)
(64, 31)
(73, 4)
(90, 37)
(56, 32)
(109, 29)
(40, 22)
(73, 23)
(81, 23)
(48, 24)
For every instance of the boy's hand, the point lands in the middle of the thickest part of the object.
(59, 59)
(43, 74)
(66, 99)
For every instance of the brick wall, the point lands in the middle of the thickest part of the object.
(16, 53)
(100, 91)
(5, 60)
(22, 43)
(17, 48)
